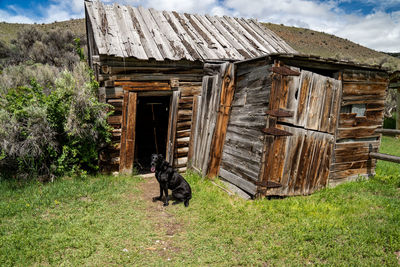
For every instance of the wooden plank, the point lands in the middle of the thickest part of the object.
(180, 162)
(296, 160)
(196, 38)
(183, 125)
(367, 76)
(246, 36)
(350, 172)
(336, 99)
(238, 181)
(230, 50)
(129, 37)
(184, 133)
(189, 91)
(171, 35)
(351, 88)
(357, 132)
(266, 43)
(303, 96)
(219, 24)
(342, 166)
(162, 44)
(116, 92)
(195, 132)
(172, 126)
(195, 52)
(122, 154)
(143, 86)
(193, 128)
(316, 101)
(388, 131)
(182, 142)
(285, 71)
(207, 36)
(240, 167)
(130, 132)
(385, 157)
(114, 120)
(226, 98)
(326, 107)
(146, 36)
(184, 114)
(268, 151)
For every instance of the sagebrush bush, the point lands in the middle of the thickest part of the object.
(55, 47)
(15, 76)
(53, 130)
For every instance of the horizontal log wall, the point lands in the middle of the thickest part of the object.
(355, 135)
(242, 152)
(147, 78)
(189, 90)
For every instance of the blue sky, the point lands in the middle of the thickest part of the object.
(375, 24)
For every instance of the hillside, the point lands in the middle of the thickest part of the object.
(330, 46)
(303, 40)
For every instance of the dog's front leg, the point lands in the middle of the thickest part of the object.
(161, 194)
(165, 187)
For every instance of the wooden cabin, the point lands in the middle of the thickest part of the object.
(290, 124)
(150, 66)
(229, 98)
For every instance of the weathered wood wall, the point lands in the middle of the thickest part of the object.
(298, 146)
(117, 77)
(189, 91)
(355, 135)
(241, 157)
(206, 117)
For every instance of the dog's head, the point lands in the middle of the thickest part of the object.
(156, 161)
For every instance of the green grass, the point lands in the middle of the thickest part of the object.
(73, 222)
(91, 221)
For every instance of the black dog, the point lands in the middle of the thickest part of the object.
(168, 178)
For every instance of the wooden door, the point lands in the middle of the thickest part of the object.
(299, 140)
(128, 132)
(208, 109)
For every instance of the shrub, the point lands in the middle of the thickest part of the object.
(21, 75)
(50, 132)
(56, 47)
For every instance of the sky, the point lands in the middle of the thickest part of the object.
(371, 23)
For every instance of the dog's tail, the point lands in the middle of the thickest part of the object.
(186, 203)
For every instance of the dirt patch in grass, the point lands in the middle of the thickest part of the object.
(167, 225)
(397, 253)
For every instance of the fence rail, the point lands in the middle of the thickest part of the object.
(385, 157)
(388, 131)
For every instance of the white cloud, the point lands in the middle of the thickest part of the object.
(379, 30)
(5, 16)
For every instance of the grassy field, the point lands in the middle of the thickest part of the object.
(111, 221)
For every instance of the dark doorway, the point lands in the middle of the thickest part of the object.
(151, 129)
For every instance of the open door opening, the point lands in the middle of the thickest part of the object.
(151, 129)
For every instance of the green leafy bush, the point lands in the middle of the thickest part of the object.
(54, 130)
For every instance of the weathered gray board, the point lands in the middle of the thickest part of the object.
(241, 157)
(207, 116)
(142, 33)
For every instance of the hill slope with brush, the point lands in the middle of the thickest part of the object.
(303, 40)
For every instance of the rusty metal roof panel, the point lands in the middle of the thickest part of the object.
(142, 33)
